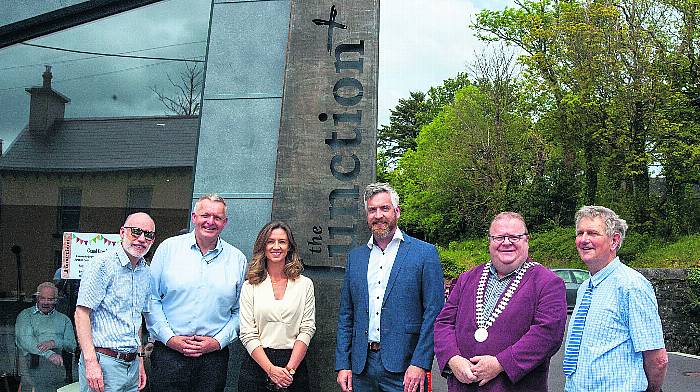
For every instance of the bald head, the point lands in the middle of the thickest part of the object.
(140, 218)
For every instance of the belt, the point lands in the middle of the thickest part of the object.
(374, 346)
(115, 354)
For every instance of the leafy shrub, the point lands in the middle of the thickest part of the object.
(556, 249)
(683, 253)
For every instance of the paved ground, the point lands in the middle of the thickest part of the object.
(683, 374)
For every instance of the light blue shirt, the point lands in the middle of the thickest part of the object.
(33, 327)
(117, 294)
(195, 294)
(378, 272)
(622, 322)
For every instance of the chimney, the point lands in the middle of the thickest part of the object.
(46, 107)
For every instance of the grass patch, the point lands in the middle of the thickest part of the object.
(684, 253)
(556, 249)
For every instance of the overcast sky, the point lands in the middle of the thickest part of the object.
(422, 43)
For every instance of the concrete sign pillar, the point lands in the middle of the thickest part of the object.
(326, 150)
(327, 142)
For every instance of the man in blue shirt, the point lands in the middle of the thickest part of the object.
(113, 294)
(196, 280)
(615, 341)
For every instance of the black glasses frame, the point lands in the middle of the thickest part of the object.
(137, 231)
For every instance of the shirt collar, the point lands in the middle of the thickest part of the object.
(212, 254)
(124, 260)
(36, 310)
(506, 276)
(600, 276)
(398, 236)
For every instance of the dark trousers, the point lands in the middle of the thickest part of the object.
(253, 378)
(174, 372)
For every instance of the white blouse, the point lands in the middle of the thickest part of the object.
(272, 323)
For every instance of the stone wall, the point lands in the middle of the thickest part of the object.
(680, 319)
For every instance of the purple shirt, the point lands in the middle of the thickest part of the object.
(523, 338)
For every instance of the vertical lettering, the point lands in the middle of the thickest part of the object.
(337, 160)
(336, 250)
(335, 142)
(336, 194)
(356, 65)
(354, 118)
(348, 83)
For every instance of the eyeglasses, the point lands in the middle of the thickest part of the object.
(512, 238)
(136, 233)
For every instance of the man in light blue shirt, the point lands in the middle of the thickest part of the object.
(113, 294)
(618, 344)
(196, 279)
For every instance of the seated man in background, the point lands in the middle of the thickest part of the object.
(41, 333)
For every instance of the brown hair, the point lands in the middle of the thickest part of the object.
(292, 264)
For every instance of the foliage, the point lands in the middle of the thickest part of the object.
(458, 257)
(409, 116)
(683, 253)
(555, 248)
(469, 162)
(604, 109)
(694, 286)
(405, 122)
(614, 103)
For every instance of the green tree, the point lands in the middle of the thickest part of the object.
(404, 124)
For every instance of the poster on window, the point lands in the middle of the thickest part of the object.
(80, 248)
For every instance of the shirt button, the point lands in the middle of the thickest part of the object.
(377, 313)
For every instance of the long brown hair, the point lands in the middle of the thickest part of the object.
(257, 270)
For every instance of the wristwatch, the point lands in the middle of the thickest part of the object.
(291, 371)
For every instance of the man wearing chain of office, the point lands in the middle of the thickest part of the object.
(504, 320)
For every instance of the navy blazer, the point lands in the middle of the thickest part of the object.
(412, 300)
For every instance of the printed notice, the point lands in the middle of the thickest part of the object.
(80, 248)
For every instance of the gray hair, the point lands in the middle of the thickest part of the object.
(509, 215)
(46, 285)
(381, 187)
(212, 197)
(613, 223)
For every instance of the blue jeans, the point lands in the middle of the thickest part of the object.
(118, 375)
(374, 378)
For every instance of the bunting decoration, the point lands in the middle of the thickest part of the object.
(93, 240)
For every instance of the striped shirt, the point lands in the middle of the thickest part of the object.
(622, 322)
(117, 293)
(495, 287)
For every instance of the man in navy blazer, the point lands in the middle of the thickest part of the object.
(392, 292)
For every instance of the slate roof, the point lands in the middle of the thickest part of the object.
(107, 144)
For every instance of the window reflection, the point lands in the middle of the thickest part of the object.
(85, 141)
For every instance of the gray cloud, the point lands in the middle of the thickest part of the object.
(105, 86)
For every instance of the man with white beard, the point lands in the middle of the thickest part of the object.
(114, 291)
